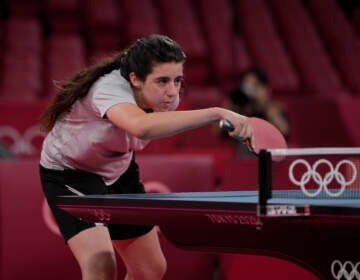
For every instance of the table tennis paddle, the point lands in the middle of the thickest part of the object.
(266, 136)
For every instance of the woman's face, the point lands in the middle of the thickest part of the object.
(161, 88)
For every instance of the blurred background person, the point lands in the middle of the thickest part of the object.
(252, 97)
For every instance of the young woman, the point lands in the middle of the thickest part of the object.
(95, 123)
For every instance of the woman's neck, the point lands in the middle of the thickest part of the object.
(139, 100)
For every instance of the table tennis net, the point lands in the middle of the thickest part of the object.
(316, 173)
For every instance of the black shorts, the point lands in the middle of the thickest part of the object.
(56, 183)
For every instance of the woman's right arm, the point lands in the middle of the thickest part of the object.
(161, 124)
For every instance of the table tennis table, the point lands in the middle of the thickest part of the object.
(321, 235)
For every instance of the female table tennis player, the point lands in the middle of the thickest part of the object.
(94, 124)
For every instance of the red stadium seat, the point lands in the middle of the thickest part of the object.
(22, 58)
(181, 24)
(356, 19)
(204, 96)
(98, 55)
(1, 50)
(320, 77)
(102, 18)
(321, 125)
(65, 57)
(349, 112)
(141, 18)
(24, 35)
(62, 44)
(1, 34)
(65, 7)
(341, 39)
(196, 72)
(63, 16)
(266, 46)
(241, 55)
(24, 8)
(102, 24)
(27, 67)
(219, 36)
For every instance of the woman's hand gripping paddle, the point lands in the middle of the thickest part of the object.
(266, 136)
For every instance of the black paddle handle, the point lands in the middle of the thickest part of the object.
(226, 125)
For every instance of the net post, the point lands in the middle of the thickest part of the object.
(265, 179)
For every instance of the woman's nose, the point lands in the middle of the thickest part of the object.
(173, 89)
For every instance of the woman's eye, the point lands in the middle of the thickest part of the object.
(162, 81)
(178, 81)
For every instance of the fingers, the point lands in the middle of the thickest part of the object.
(252, 141)
(250, 136)
(243, 132)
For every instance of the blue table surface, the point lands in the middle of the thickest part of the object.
(280, 197)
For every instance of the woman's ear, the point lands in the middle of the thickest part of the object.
(135, 81)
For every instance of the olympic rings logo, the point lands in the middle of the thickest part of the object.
(322, 182)
(346, 270)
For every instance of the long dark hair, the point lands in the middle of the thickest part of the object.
(140, 58)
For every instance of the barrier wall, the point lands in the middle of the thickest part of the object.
(28, 247)
(29, 242)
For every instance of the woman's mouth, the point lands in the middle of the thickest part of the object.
(167, 104)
